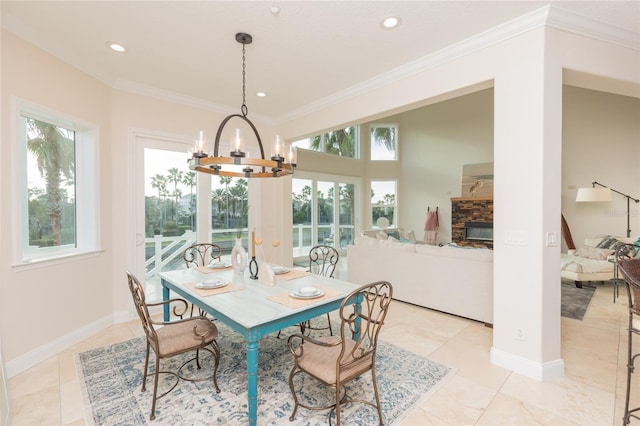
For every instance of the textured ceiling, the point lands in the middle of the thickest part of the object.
(309, 51)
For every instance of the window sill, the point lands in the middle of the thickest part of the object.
(56, 260)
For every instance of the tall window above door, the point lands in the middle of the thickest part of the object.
(384, 142)
(384, 201)
(342, 142)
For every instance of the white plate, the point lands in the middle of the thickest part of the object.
(211, 284)
(219, 265)
(279, 270)
(297, 295)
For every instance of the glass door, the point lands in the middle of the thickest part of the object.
(165, 206)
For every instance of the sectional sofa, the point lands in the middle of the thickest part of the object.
(450, 279)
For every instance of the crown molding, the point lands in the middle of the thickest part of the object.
(548, 15)
(178, 98)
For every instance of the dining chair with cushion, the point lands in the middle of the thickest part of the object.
(171, 338)
(337, 360)
(628, 264)
(201, 254)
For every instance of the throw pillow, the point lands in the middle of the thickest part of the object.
(394, 234)
(609, 242)
(381, 235)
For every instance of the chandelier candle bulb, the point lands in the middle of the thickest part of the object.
(293, 155)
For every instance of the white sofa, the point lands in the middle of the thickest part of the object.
(591, 261)
(450, 279)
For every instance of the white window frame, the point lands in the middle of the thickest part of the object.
(87, 174)
(372, 142)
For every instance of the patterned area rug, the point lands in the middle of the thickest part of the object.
(575, 301)
(111, 378)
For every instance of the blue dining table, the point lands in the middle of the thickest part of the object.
(253, 308)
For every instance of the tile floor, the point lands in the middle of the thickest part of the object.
(590, 393)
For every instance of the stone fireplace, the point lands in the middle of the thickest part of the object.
(472, 221)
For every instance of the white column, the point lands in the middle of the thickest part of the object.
(528, 136)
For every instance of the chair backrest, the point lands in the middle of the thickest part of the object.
(201, 254)
(137, 292)
(323, 260)
(361, 324)
(629, 268)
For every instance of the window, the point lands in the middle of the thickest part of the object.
(383, 201)
(342, 142)
(324, 211)
(58, 187)
(384, 142)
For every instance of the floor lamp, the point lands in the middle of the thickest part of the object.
(603, 194)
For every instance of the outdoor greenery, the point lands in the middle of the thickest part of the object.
(172, 210)
(303, 207)
(52, 208)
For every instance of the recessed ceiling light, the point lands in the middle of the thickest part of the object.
(391, 22)
(261, 94)
(116, 47)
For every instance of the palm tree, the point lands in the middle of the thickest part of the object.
(338, 142)
(175, 177)
(159, 182)
(226, 180)
(54, 149)
(218, 195)
(189, 179)
(385, 136)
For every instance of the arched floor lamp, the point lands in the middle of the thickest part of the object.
(603, 194)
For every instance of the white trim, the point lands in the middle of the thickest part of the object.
(53, 347)
(539, 371)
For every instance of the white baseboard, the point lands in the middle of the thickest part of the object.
(29, 359)
(538, 371)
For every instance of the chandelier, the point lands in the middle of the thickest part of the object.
(250, 167)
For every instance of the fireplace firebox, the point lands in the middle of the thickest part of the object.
(478, 231)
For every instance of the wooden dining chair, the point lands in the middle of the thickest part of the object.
(171, 338)
(201, 254)
(337, 360)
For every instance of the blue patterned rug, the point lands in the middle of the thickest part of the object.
(111, 378)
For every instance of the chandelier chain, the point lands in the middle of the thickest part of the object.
(244, 108)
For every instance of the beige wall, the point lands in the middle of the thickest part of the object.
(601, 142)
(41, 304)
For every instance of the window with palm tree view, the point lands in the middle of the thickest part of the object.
(58, 217)
(342, 142)
(384, 142)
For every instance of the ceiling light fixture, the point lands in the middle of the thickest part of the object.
(216, 164)
(391, 22)
(116, 47)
